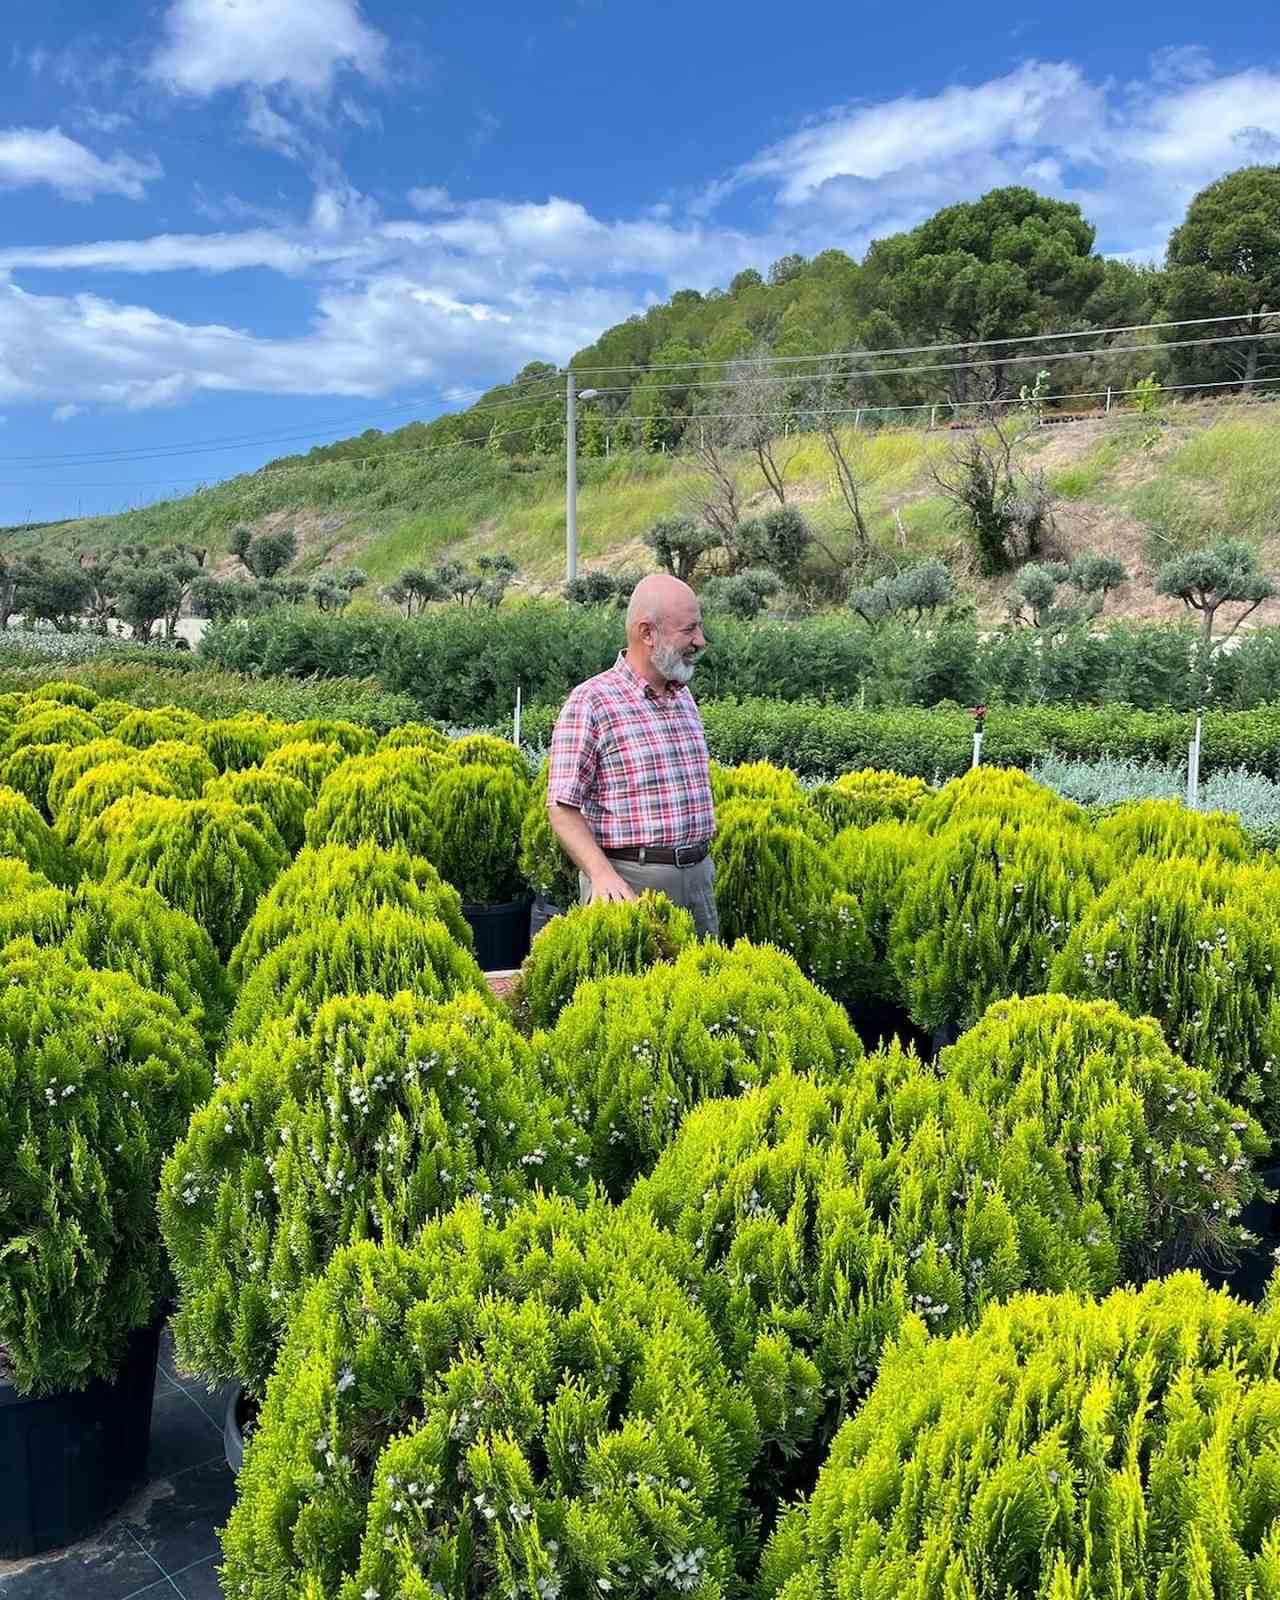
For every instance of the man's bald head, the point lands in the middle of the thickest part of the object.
(664, 629)
(659, 597)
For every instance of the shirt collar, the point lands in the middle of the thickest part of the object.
(641, 685)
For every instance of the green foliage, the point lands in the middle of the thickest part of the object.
(235, 742)
(142, 728)
(544, 866)
(382, 799)
(98, 1078)
(983, 916)
(67, 694)
(1196, 945)
(72, 763)
(29, 769)
(351, 738)
(755, 780)
(340, 879)
(30, 906)
(379, 1115)
(601, 940)
(635, 1053)
(744, 595)
(380, 951)
(861, 799)
(415, 735)
(917, 591)
(282, 799)
(481, 749)
(996, 794)
(307, 760)
(185, 766)
(209, 858)
(93, 794)
(53, 724)
(1150, 1139)
(1205, 580)
(874, 866)
(25, 834)
(478, 813)
(539, 1408)
(1063, 1448)
(681, 545)
(1161, 829)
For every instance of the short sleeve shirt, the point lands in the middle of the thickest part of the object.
(633, 761)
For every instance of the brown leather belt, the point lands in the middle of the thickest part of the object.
(662, 855)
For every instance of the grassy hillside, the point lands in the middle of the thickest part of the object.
(1126, 486)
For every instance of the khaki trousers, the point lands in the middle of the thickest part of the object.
(690, 887)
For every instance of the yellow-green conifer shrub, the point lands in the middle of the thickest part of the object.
(862, 799)
(350, 737)
(1159, 829)
(830, 1212)
(283, 799)
(381, 951)
(997, 794)
(1196, 945)
(544, 866)
(873, 865)
(477, 812)
(415, 735)
(377, 799)
(73, 761)
(96, 792)
(30, 906)
(535, 1409)
(25, 835)
(142, 728)
(210, 858)
(337, 880)
(603, 940)
(984, 915)
(755, 780)
(635, 1053)
(379, 1116)
(98, 1076)
(184, 765)
(109, 713)
(44, 723)
(482, 749)
(307, 760)
(67, 694)
(1064, 1448)
(29, 769)
(1149, 1138)
(241, 741)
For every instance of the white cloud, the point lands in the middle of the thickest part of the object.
(297, 44)
(432, 198)
(30, 156)
(66, 413)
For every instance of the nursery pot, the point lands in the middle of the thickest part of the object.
(69, 1461)
(501, 933)
(1249, 1277)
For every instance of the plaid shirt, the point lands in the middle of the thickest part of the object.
(633, 761)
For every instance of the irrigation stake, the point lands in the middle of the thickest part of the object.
(515, 734)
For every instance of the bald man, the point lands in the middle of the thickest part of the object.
(629, 794)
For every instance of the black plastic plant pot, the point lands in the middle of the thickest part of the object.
(68, 1462)
(501, 934)
(1248, 1278)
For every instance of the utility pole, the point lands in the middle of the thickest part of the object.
(570, 478)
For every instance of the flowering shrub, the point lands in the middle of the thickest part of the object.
(97, 1078)
(340, 879)
(25, 834)
(635, 1053)
(1063, 1447)
(307, 760)
(861, 799)
(1159, 829)
(983, 916)
(381, 951)
(380, 799)
(477, 812)
(538, 1408)
(363, 1125)
(601, 940)
(283, 800)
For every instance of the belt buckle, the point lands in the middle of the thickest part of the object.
(680, 851)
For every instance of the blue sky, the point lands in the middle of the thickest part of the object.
(234, 228)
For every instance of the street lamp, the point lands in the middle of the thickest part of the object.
(572, 394)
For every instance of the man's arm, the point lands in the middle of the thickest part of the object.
(570, 827)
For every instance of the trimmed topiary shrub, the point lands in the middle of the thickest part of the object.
(109, 714)
(184, 766)
(862, 799)
(338, 880)
(535, 1409)
(67, 694)
(363, 952)
(477, 812)
(30, 906)
(26, 835)
(1160, 829)
(415, 736)
(602, 940)
(1197, 947)
(73, 761)
(996, 794)
(874, 866)
(983, 917)
(242, 741)
(543, 864)
(142, 728)
(209, 858)
(1146, 1136)
(94, 794)
(380, 1115)
(309, 761)
(29, 769)
(755, 780)
(350, 737)
(635, 1053)
(50, 724)
(1063, 1448)
(482, 749)
(379, 799)
(97, 1078)
(283, 800)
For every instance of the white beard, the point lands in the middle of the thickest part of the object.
(672, 664)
